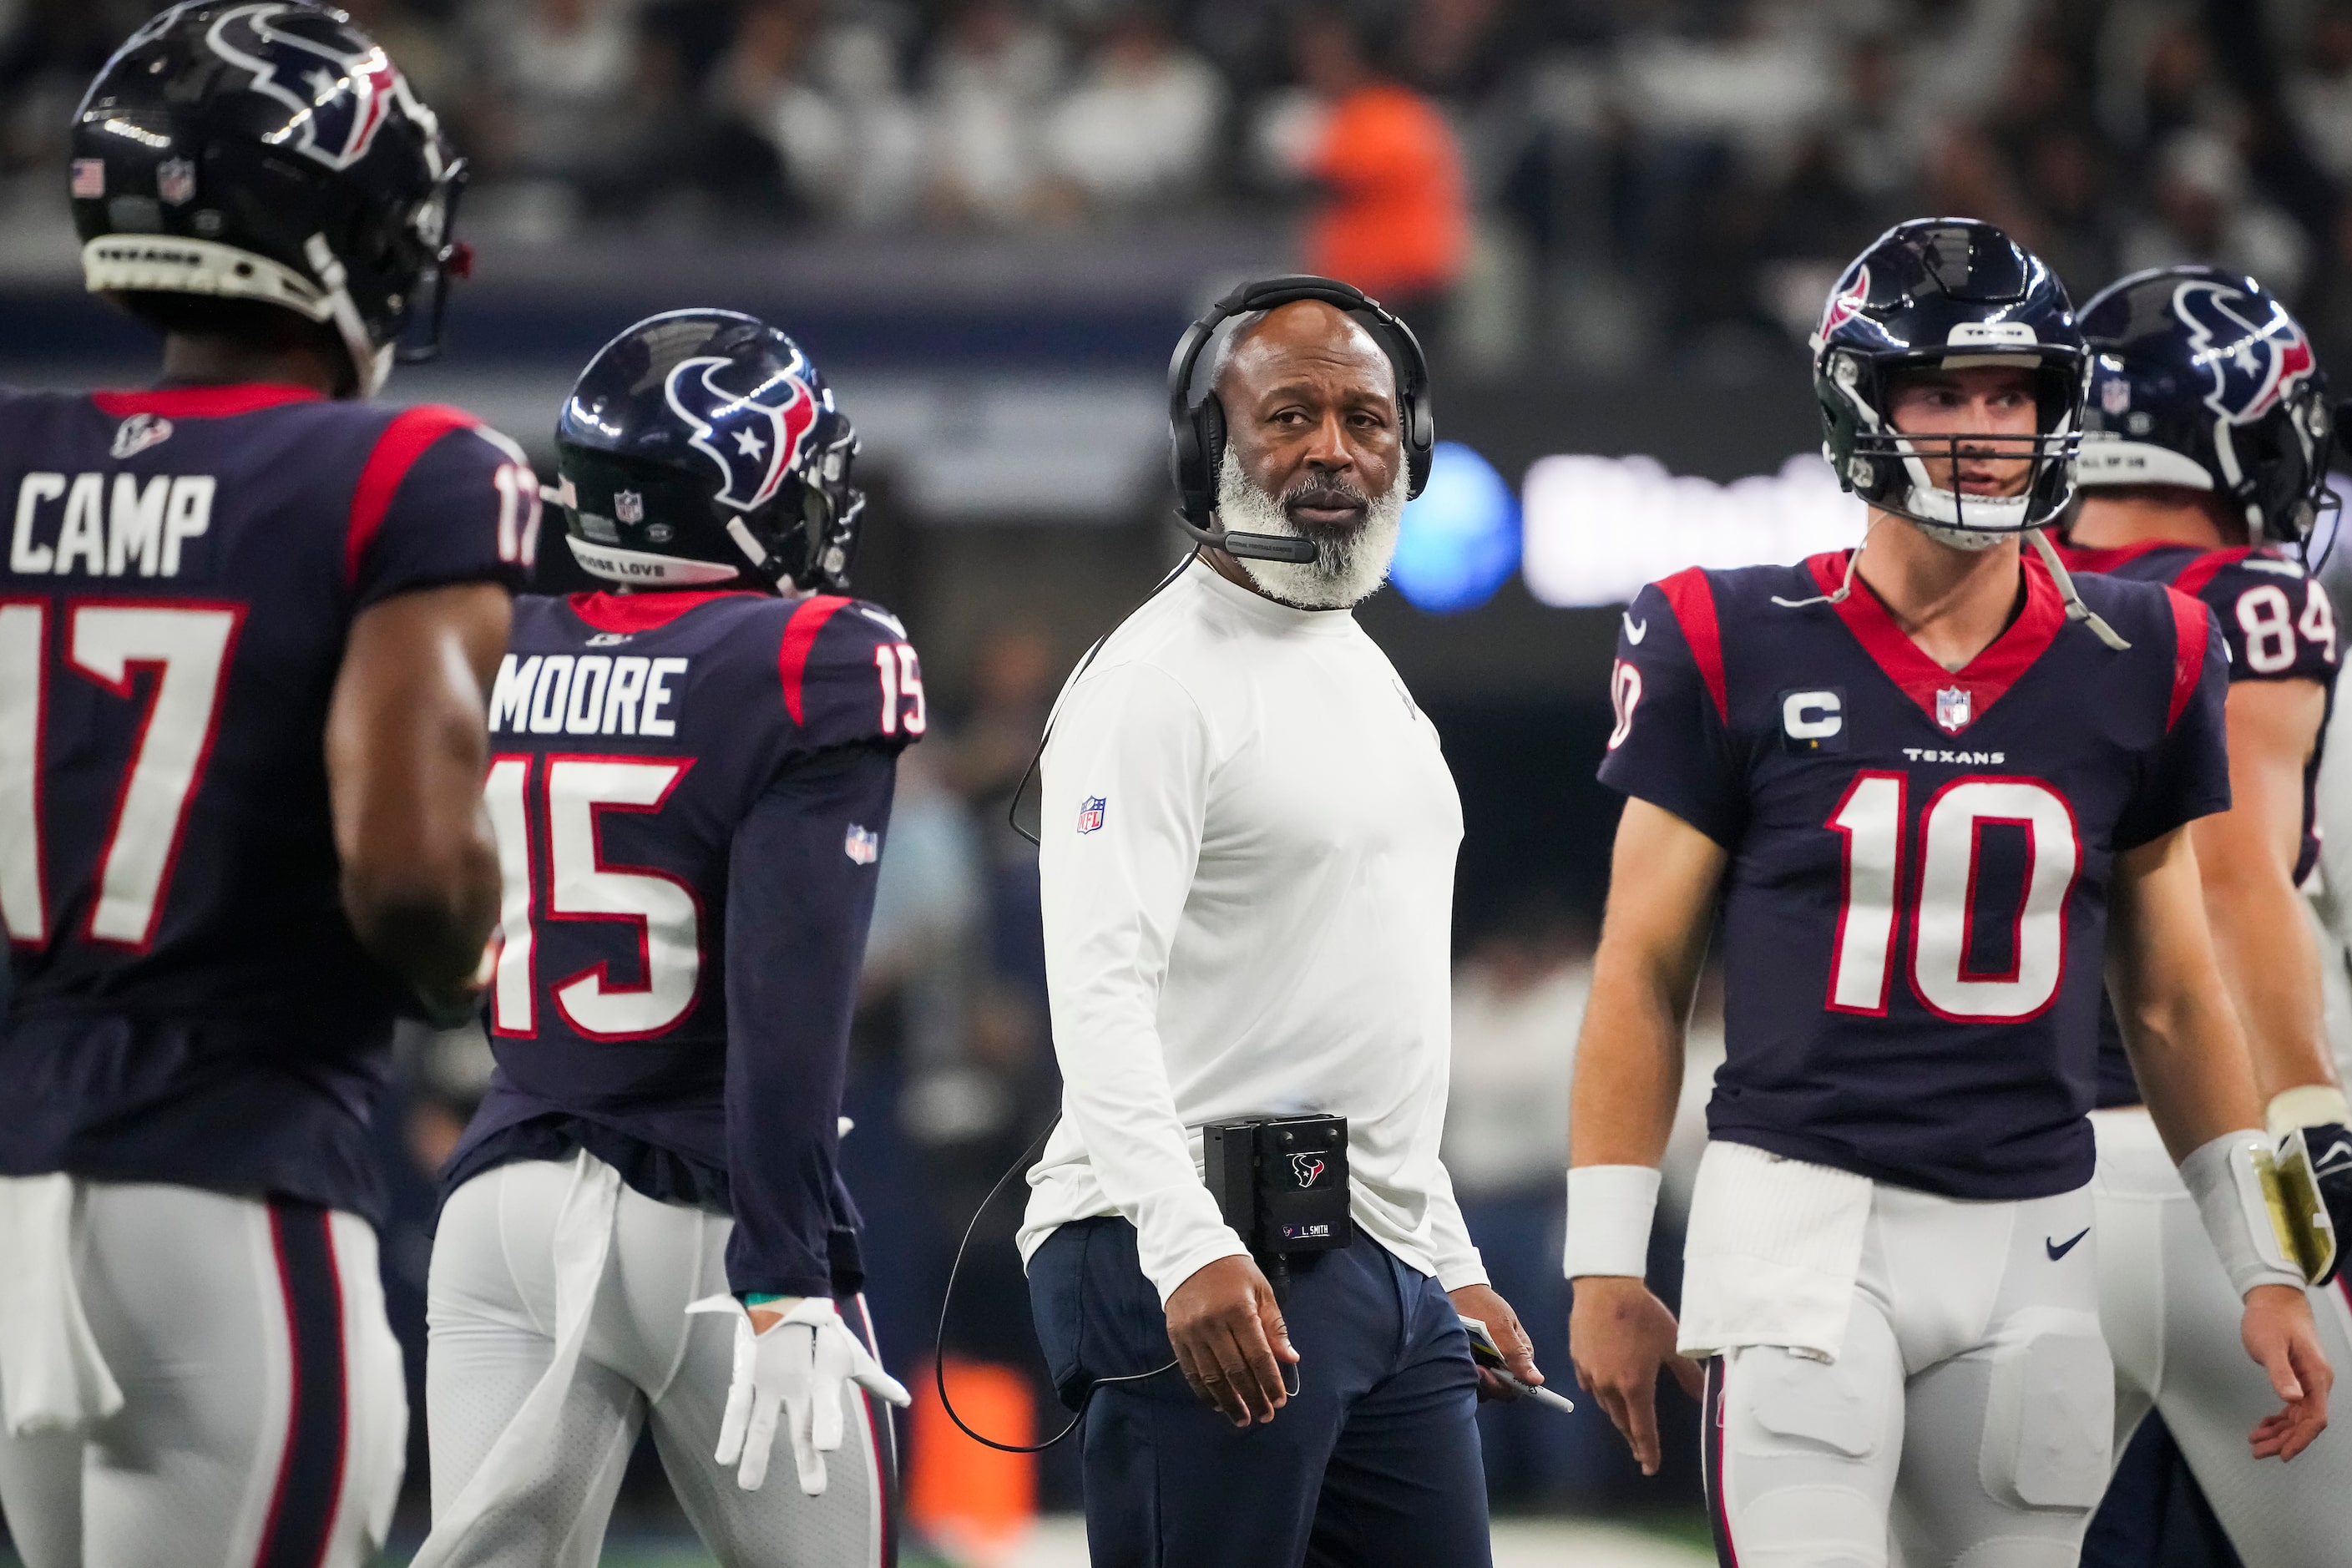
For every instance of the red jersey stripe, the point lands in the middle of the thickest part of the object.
(2191, 628)
(403, 441)
(645, 610)
(799, 637)
(2201, 570)
(202, 401)
(1692, 599)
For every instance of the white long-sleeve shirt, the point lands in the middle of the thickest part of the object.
(1249, 836)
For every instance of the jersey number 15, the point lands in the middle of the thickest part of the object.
(571, 881)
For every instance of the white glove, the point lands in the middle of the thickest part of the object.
(805, 1362)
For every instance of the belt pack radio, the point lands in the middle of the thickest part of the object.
(1281, 1184)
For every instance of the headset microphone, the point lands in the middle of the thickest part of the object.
(1254, 546)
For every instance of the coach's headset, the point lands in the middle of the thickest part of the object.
(1196, 429)
(1196, 442)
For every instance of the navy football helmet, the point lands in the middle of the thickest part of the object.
(1948, 293)
(269, 153)
(2200, 378)
(702, 446)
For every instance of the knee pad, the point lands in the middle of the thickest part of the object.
(2049, 1416)
(1834, 1405)
(1810, 1527)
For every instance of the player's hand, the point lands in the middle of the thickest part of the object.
(1230, 1340)
(2279, 1334)
(1480, 1301)
(1619, 1335)
(802, 1359)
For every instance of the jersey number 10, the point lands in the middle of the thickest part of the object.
(1945, 895)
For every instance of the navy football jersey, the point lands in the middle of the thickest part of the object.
(2280, 626)
(191, 1004)
(1913, 913)
(690, 791)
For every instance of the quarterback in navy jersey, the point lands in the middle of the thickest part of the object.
(2203, 467)
(247, 620)
(690, 782)
(1934, 788)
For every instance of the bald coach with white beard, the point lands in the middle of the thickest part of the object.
(1247, 850)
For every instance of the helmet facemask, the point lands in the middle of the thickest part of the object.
(1889, 468)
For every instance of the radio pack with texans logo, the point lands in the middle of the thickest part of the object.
(1281, 1183)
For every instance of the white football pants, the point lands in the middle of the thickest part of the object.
(264, 1418)
(492, 1309)
(2172, 1322)
(1966, 1423)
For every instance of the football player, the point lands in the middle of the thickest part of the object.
(246, 622)
(690, 782)
(1936, 788)
(2204, 459)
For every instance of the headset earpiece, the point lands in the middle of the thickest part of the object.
(1211, 420)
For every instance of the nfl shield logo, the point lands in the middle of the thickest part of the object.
(1090, 815)
(863, 846)
(1952, 708)
(628, 505)
(2114, 395)
(175, 182)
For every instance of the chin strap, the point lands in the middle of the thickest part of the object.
(1853, 559)
(2075, 609)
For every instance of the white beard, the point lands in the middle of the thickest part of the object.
(1347, 568)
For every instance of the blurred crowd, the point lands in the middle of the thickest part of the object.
(1620, 174)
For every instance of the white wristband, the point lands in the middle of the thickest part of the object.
(1609, 1213)
(2225, 1177)
(2311, 1105)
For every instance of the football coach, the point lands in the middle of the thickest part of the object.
(1247, 847)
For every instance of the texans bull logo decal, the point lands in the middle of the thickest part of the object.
(754, 436)
(1843, 307)
(2254, 356)
(1307, 1168)
(339, 97)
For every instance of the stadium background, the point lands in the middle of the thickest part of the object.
(988, 220)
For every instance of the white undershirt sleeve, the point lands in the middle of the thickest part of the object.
(1130, 744)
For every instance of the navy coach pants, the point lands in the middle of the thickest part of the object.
(1373, 1462)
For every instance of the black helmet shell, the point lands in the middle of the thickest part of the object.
(2202, 378)
(266, 151)
(1949, 292)
(701, 446)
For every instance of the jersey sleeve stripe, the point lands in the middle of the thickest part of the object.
(2201, 570)
(800, 638)
(406, 440)
(2192, 625)
(1691, 597)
